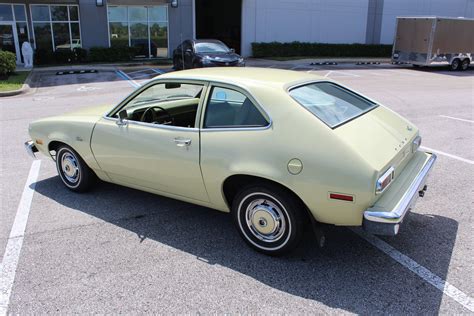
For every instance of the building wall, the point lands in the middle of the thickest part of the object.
(324, 21)
(336, 21)
(180, 24)
(94, 29)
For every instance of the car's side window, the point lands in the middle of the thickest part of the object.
(172, 103)
(228, 108)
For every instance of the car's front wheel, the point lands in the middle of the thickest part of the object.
(269, 218)
(73, 171)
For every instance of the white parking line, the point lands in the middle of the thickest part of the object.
(457, 119)
(338, 73)
(439, 152)
(15, 240)
(428, 276)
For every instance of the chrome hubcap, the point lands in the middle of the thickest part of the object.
(265, 220)
(70, 167)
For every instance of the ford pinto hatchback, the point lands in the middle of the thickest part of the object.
(277, 149)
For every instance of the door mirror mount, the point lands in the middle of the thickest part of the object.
(122, 117)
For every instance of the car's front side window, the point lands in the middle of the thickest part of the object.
(228, 108)
(172, 103)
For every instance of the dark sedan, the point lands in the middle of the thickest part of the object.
(205, 53)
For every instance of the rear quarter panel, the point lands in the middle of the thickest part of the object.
(328, 164)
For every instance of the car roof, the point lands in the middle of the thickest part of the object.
(207, 41)
(245, 76)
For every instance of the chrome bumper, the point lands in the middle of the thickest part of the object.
(31, 148)
(388, 223)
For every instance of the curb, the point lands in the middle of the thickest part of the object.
(25, 88)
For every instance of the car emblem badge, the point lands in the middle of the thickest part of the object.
(227, 64)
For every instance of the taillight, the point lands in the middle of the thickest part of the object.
(384, 181)
(416, 144)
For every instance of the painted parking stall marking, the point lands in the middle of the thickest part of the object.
(15, 240)
(442, 153)
(129, 80)
(428, 276)
(457, 119)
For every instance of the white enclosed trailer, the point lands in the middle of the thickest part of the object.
(424, 41)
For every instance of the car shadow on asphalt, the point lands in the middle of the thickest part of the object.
(347, 274)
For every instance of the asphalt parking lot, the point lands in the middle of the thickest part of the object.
(118, 250)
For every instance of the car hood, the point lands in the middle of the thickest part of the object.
(381, 137)
(228, 57)
(98, 110)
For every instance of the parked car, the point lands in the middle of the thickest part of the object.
(205, 53)
(278, 149)
(76, 43)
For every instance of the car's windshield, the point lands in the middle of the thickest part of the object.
(331, 103)
(210, 47)
(166, 92)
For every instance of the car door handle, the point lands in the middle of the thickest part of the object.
(182, 142)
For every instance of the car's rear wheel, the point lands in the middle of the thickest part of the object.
(269, 218)
(465, 64)
(73, 171)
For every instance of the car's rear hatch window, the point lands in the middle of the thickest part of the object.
(331, 103)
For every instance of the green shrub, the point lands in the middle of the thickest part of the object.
(276, 49)
(112, 54)
(60, 56)
(7, 63)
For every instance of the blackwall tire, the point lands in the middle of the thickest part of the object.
(269, 218)
(73, 171)
(455, 64)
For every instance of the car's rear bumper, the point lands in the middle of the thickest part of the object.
(385, 217)
(31, 148)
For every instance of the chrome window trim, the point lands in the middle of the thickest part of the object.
(159, 126)
(302, 84)
(245, 92)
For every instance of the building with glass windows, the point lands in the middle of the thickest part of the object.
(156, 27)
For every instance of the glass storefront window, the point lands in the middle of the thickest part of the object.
(76, 35)
(143, 27)
(159, 39)
(19, 12)
(22, 31)
(118, 34)
(59, 13)
(158, 14)
(61, 36)
(139, 38)
(6, 12)
(60, 23)
(40, 13)
(43, 36)
(137, 14)
(117, 14)
(73, 14)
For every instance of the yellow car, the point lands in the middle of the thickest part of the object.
(277, 149)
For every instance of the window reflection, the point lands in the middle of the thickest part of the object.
(56, 27)
(145, 28)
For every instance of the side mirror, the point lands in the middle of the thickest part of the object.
(122, 117)
(232, 50)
